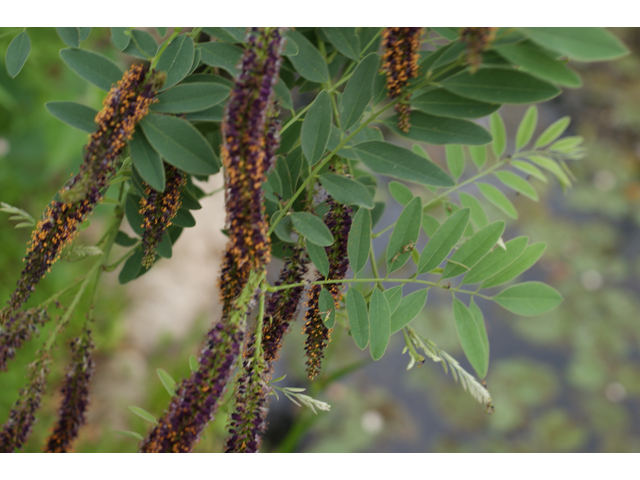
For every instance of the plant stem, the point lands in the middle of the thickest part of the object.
(377, 280)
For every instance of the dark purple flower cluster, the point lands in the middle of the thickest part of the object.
(124, 106)
(75, 394)
(158, 210)
(248, 422)
(338, 219)
(196, 398)
(249, 142)
(477, 40)
(16, 329)
(16, 429)
(400, 63)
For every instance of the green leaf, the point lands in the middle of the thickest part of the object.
(129, 433)
(393, 296)
(69, 35)
(400, 192)
(17, 53)
(441, 243)
(478, 155)
(359, 90)
(552, 132)
(284, 228)
(523, 263)
(540, 62)
(430, 225)
(290, 47)
(470, 338)
(167, 381)
(479, 319)
(551, 166)
(308, 62)
(499, 134)
(359, 241)
(164, 248)
(408, 309)
(587, 44)
(517, 183)
(124, 240)
(345, 40)
(496, 261)
(162, 31)
(455, 160)
(527, 127)
(318, 256)
(474, 249)
(74, 114)
(142, 45)
(327, 308)
(379, 324)
(119, 38)
(405, 235)
(346, 190)
(146, 161)
(177, 60)
(441, 130)
(498, 198)
(397, 162)
(316, 128)
(93, 67)
(567, 144)
(193, 363)
(312, 227)
(227, 34)
(500, 85)
(283, 95)
(478, 216)
(184, 219)
(221, 55)
(190, 97)
(529, 169)
(180, 143)
(142, 413)
(446, 104)
(358, 317)
(213, 114)
(132, 267)
(529, 298)
(132, 206)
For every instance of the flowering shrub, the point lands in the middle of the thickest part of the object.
(300, 184)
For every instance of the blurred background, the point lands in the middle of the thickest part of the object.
(566, 381)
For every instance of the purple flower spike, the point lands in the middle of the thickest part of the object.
(75, 393)
(197, 397)
(16, 329)
(16, 429)
(248, 422)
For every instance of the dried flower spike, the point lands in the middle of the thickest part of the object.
(338, 219)
(477, 39)
(400, 64)
(75, 394)
(158, 210)
(16, 429)
(124, 106)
